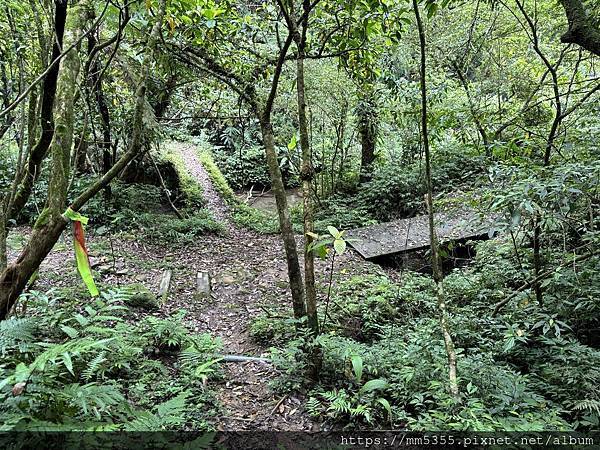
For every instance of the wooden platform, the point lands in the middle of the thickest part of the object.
(406, 235)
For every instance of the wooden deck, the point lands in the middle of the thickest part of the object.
(407, 235)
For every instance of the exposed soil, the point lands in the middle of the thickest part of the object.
(248, 273)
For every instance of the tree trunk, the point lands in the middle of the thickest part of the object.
(307, 174)
(367, 129)
(50, 225)
(96, 86)
(581, 29)
(435, 256)
(49, 86)
(285, 223)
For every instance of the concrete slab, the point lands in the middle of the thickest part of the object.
(405, 235)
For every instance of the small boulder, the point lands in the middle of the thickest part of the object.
(139, 296)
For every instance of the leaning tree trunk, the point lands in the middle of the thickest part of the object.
(263, 112)
(50, 225)
(435, 256)
(285, 223)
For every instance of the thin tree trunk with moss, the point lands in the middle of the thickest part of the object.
(49, 88)
(307, 174)
(435, 256)
(51, 224)
(283, 211)
(285, 223)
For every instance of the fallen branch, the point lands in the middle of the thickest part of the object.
(241, 358)
(277, 405)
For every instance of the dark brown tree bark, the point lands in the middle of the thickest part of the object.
(39, 151)
(581, 30)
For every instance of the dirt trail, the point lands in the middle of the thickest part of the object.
(248, 273)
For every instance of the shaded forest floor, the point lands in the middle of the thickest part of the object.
(249, 277)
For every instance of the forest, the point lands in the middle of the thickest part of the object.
(299, 216)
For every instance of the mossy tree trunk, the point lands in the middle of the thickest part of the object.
(51, 222)
(581, 27)
(366, 113)
(49, 88)
(307, 172)
(435, 255)
(285, 223)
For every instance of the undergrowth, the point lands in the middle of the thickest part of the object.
(525, 369)
(69, 367)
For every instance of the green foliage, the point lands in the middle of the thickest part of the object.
(69, 369)
(191, 190)
(524, 370)
(275, 330)
(255, 219)
(344, 213)
(164, 335)
(397, 189)
(354, 404)
(181, 231)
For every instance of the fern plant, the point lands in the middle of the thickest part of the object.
(165, 334)
(17, 335)
(357, 403)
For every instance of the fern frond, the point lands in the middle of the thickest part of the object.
(17, 334)
(590, 405)
(93, 366)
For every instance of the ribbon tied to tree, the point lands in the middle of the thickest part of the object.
(81, 253)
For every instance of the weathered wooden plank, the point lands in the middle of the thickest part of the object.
(405, 235)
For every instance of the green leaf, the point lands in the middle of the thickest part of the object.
(68, 362)
(386, 405)
(293, 142)
(333, 231)
(357, 367)
(340, 246)
(374, 385)
(70, 331)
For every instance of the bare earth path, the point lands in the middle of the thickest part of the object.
(248, 272)
(249, 275)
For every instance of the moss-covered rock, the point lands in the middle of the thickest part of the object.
(139, 296)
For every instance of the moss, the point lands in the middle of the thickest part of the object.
(191, 190)
(43, 219)
(217, 178)
(139, 296)
(242, 214)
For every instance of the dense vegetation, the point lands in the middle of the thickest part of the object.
(164, 121)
